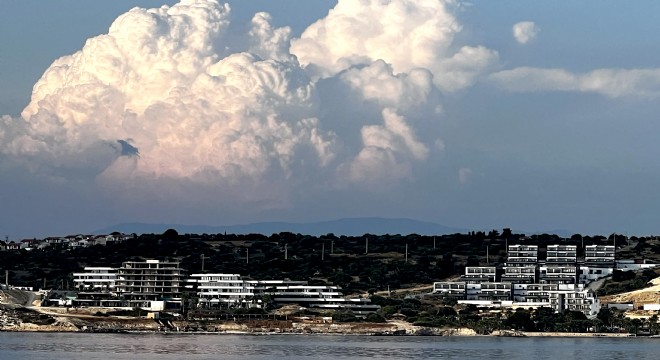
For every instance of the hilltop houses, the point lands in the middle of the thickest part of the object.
(70, 241)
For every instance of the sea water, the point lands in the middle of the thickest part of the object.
(198, 346)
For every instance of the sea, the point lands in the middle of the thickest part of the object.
(86, 346)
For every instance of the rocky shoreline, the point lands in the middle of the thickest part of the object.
(27, 320)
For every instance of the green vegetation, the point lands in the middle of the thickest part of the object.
(344, 262)
(625, 281)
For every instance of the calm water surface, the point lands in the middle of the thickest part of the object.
(176, 346)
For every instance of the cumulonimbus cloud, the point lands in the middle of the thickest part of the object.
(407, 34)
(614, 83)
(160, 96)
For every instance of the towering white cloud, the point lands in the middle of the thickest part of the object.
(166, 97)
(407, 34)
(157, 80)
(525, 31)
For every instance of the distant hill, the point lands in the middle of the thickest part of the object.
(348, 227)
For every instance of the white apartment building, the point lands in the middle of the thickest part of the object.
(222, 290)
(528, 282)
(494, 291)
(561, 254)
(453, 289)
(522, 255)
(143, 282)
(559, 274)
(574, 297)
(228, 290)
(96, 279)
(519, 274)
(478, 274)
(599, 254)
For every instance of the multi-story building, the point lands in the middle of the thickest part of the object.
(96, 279)
(479, 274)
(559, 274)
(561, 297)
(561, 254)
(451, 289)
(599, 254)
(496, 291)
(528, 282)
(520, 274)
(142, 282)
(488, 291)
(599, 262)
(229, 290)
(222, 290)
(522, 255)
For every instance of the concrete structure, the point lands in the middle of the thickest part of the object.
(522, 255)
(520, 274)
(229, 290)
(593, 273)
(561, 254)
(222, 290)
(479, 274)
(141, 282)
(631, 264)
(452, 289)
(556, 282)
(558, 274)
(599, 254)
(96, 279)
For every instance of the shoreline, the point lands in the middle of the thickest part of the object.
(19, 321)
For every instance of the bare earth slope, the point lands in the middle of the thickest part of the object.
(649, 295)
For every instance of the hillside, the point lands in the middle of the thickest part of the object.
(356, 263)
(649, 295)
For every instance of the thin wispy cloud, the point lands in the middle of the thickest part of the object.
(614, 83)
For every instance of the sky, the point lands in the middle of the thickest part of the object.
(532, 115)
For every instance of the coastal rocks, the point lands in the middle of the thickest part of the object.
(444, 332)
(21, 319)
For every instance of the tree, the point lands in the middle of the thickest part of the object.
(520, 320)
(170, 234)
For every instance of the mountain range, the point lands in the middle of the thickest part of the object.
(348, 227)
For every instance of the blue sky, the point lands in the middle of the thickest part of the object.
(553, 130)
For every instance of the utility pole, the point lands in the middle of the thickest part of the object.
(434, 243)
(7, 279)
(286, 252)
(323, 252)
(247, 255)
(366, 244)
(487, 255)
(202, 263)
(406, 253)
(332, 247)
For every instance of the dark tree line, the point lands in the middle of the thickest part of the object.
(357, 263)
